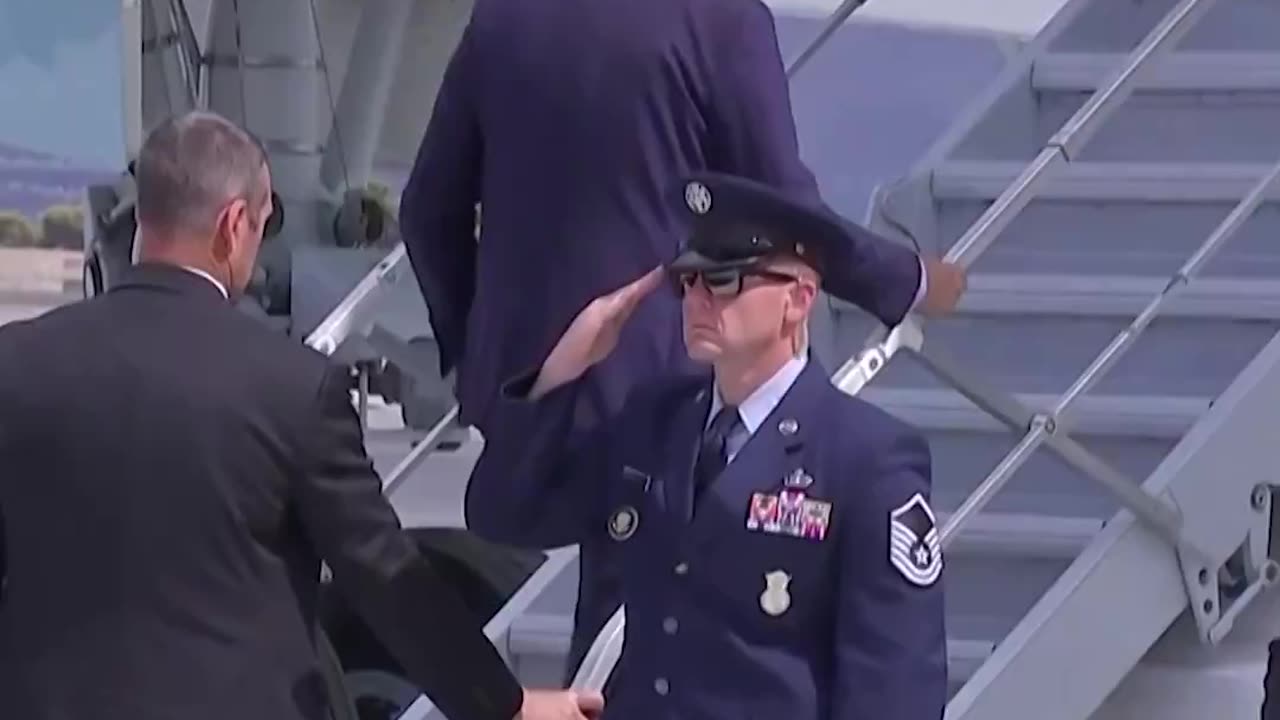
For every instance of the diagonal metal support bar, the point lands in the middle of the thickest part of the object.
(1161, 516)
(404, 470)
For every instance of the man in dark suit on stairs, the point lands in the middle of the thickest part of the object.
(172, 473)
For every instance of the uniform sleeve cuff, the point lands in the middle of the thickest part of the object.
(921, 288)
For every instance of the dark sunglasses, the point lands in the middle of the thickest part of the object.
(728, 283)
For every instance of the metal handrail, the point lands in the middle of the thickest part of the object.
(351, 315)
(833, 23)
(1058, 151)
(189, 50)
(1044, 428)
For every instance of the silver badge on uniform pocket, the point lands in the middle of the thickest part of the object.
(623, 522)
(776, 599)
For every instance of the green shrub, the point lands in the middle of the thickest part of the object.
(62, 226)
(16, 230)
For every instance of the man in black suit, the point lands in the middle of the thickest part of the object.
(173, 473)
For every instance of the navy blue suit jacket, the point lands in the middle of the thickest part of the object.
(573, 122)
(731, 612)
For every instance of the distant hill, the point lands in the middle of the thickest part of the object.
(31, 181)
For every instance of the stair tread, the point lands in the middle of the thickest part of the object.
(1115, 295)
(1218, 71)
(1024, 535)
(943, 409)
(548, 634)
(1136, 181)
(546, 631)
(947, 398)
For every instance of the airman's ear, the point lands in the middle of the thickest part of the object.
(804, 294)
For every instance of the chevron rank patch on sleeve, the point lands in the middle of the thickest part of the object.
(914, 547)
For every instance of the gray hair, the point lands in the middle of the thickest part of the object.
(191, 165)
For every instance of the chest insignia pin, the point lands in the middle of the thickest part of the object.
(623, 522)
(798, 478)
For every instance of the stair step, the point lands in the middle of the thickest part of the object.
(1165, 126)
(433, 496)
(1101, 181)
(1119, 27)
(1137, 415)
(1050, 294)
(1049, 509)
(1179, 71)
(1182, 357)
(541, 633)
(1023, 535)
(547, 634)
(1120, 296)
(1103, 219)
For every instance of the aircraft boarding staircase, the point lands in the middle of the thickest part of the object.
(1114, 194)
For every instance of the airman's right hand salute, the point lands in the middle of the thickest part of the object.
(593, 333)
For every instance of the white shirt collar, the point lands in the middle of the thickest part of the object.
(756, 408)
(197, 271)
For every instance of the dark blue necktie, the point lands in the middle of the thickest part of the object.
(713, 455)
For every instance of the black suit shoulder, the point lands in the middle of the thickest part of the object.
(240, 447)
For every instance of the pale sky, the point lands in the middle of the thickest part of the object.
(1022, 18)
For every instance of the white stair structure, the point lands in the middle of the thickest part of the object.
(1114, 194)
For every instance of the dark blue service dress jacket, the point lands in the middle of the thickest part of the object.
(806, 586)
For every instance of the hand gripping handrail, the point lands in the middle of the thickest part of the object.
(1065, 144)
